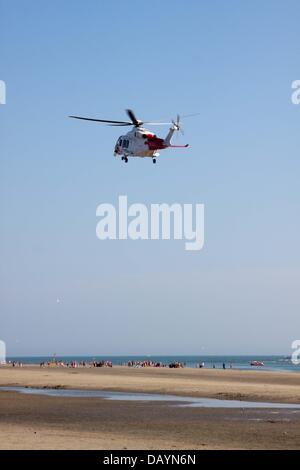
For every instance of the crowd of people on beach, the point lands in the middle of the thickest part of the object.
(102, 363)
(15, 363)
(149, 363)
(75, 364)
(108, 363)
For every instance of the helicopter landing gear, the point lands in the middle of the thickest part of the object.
(154, 160)
(125, 159)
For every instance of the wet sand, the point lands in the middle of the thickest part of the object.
(35, 422)
(43, 422)
(230, 384)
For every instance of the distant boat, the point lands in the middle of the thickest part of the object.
(256, 363)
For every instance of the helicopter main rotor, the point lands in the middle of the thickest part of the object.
(133, 120)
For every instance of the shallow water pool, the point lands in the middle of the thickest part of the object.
(194, 402)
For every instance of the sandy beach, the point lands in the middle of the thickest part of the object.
(230, 384)
(43, 422)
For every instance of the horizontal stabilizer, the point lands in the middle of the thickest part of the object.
(179, 146)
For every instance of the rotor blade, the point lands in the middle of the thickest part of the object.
(132, 117)
(159, 123)
(179, 117)
(190, 115)
(123, 123)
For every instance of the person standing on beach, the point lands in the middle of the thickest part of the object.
(224, 365)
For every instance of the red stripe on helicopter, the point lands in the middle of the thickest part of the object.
(155, 143)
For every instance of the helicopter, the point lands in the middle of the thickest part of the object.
(139, 142)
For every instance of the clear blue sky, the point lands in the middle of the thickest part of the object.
(233, 62)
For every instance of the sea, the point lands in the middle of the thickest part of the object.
(275, 363)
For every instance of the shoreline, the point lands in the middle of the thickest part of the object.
(272, 363)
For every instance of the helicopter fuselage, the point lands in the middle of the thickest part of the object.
(139, 142)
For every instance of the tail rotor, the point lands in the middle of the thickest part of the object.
(177, 125)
